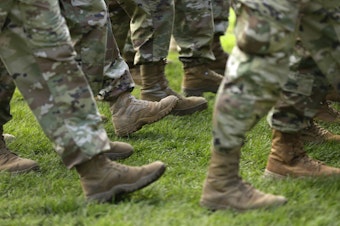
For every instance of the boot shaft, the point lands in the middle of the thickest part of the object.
(153, 76)
(224, 188)
(224, 167)
(286, 146)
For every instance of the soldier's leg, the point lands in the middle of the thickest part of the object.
(60, 98)
(106, 71)
(151, 25)
(193, 31)
(221, 10)
(9, 161)
(287, 155)
(256, 68)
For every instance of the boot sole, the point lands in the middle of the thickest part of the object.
(190, 111)
(122, 189)
(142, 122)
(213, 206)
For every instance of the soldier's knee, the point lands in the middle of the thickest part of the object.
(259, 34)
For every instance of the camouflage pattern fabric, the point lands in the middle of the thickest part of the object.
(193, 30)
(221, 16)
(258, 66)
(96, 47)
(37, 50)
(150, 27)
(301, 96)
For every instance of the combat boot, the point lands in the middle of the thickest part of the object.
(316, 134)
(12, 163)
(288, 158)
(224, 188)
(155, 88)
(327, 113)
(219, 64)
(104, 181)
(130, 114)
(8, 138)
(199, 79)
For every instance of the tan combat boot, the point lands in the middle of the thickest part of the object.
(219, 64)
(327, 113)
(288, 158)
(224, 188)
(316, 134)
(155, 88)
(104, 181)
(130, 114)
(200, 79)
(12, 163)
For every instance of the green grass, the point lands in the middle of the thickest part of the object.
(53, 196)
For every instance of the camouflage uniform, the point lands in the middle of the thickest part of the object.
(266, 32)
(97, 50)
(193, 38)
(301, 96)
(150, 27)
(37, 49)
(252, 73)
(60, 97)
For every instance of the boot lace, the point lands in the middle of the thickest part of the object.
(311, 163)
(246, 188)
(316, 130)
(120, 167)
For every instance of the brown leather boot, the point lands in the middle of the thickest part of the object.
(12, 163)
(316, 134)
(103, 180)
(155, 88)
(200, 79)
(219, 64)
(327, 113)
(224, 188)
(130, 114)
(288, 158)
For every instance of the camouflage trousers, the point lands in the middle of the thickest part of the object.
(147, 38)
(151, 27)
(258, 66)
(97, 53)
(36, 47)
(301, 95)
